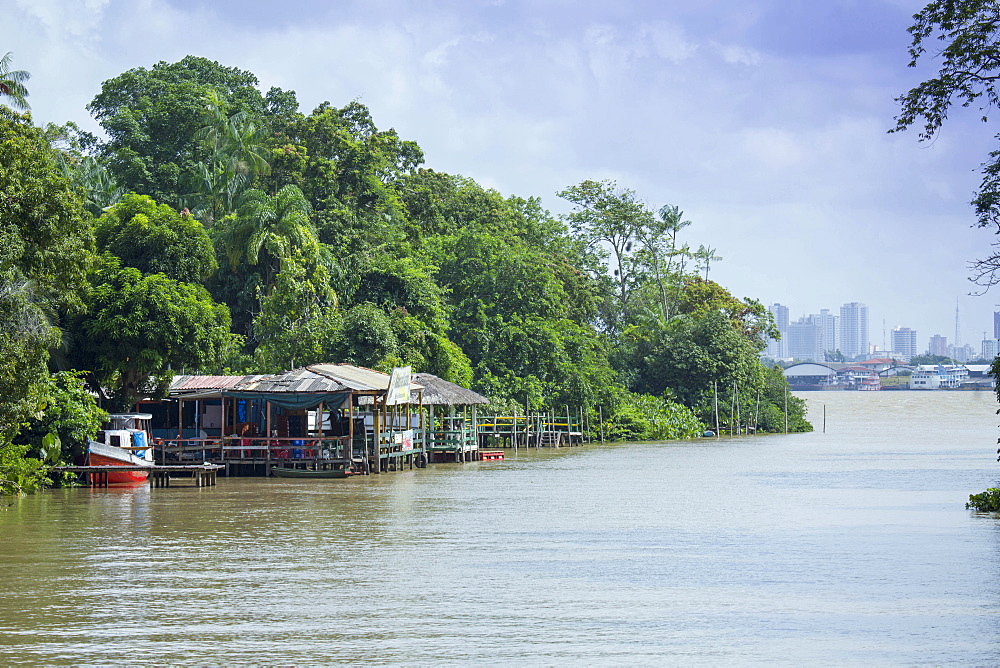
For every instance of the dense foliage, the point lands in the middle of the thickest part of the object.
(985, 502)
(220, 229)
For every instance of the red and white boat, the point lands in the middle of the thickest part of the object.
(125, 443)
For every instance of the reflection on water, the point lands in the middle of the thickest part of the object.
(851, 546)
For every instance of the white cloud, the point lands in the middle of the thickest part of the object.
(63, 20)
(735, 54)
(669, 42)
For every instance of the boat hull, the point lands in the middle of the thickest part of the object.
(100, 454)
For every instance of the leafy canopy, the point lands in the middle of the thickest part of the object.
(155, 238)
(138, 329)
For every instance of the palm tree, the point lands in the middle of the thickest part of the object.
(659, 250)
(12, 84)
(705, 255)
(277, 226)
(92, 175)
(236, 147)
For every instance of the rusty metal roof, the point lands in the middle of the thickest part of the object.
(310, 379)
(194, 383)
(301, 380)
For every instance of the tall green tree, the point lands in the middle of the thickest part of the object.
(12, 84)
(417, 314)
(139, 329)
(154, 238)
(46, 246)
(236, 152)
(603, 213)
(660, 258)
(85, 171)
(277, 277)
(511, 312)
(349, 178)
(26, 334)
(152, 118)
(267, 229)
(298, 322)
(45, 232)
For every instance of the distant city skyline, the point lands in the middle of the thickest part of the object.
(824, 336)
(973, 327)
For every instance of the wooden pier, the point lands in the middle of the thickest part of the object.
(203, 475)
(532, 430)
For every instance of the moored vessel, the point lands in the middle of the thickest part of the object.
(124, 442)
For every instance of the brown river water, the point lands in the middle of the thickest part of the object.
(849, 547)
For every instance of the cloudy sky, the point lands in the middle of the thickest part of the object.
(764, 120)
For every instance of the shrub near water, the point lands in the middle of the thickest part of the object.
(987, 502)
(643, 417)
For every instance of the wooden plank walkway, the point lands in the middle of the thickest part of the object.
(203, 475)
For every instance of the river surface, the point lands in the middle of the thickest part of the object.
(849, 547)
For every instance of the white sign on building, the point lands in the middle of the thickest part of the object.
(399, 386)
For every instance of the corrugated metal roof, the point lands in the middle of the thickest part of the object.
(313, 378)
(358, 378)
(297, 380)
(192, 383)
(355, 377)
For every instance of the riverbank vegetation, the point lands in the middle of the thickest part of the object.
(216, 228)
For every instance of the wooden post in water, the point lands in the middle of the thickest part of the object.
(180, 422)
(267, 426)
(739, 417)
(475, 433)
(786, 410)
(756, 414)
(824, 418)
(513, 429)
(569, 438)
(377, 426)
(349, 450)
(715, 389)
(222, 431)
(732, 403)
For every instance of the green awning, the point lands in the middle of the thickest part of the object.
(294, 401)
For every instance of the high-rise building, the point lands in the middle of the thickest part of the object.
(996, 324)
(827, 323)
(962, 353)
(854, 330)
(904, 341)
(805, 340)
(990, 348)
(778, 349)
(938, 345)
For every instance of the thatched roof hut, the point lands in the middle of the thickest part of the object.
(440, 392)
